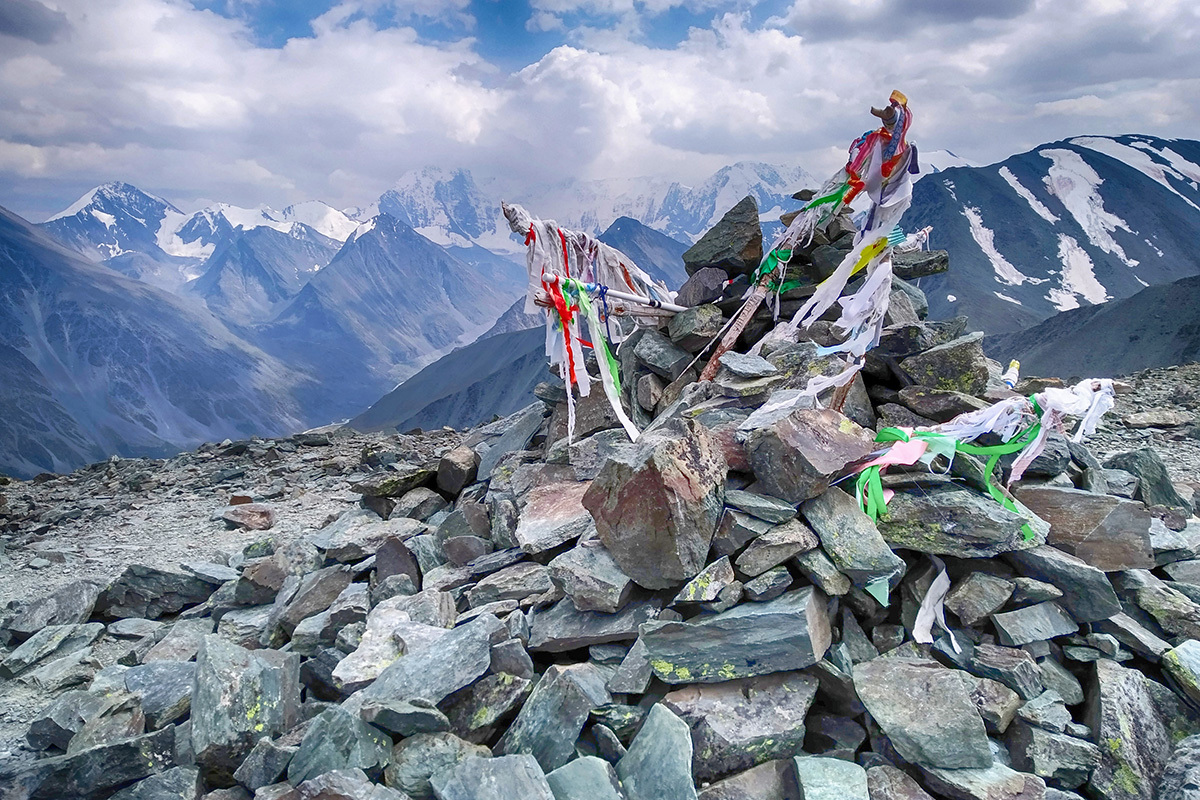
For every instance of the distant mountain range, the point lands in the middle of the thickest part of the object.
(95, 363)
(311, 314)
(1065, 225)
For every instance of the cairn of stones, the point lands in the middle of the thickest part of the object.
(527, 616)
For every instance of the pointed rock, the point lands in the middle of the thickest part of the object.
(734, 244)
(658, 765)
(656, 505)
(796, 457)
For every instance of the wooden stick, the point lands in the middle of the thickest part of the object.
(739, 324)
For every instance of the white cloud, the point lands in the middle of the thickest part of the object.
(188, 104)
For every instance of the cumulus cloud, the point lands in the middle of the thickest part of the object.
(187, 103)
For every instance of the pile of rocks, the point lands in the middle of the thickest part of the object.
(705, 613)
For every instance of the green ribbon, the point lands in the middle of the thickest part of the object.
(869, 486)
(601, 344)
(833, 197)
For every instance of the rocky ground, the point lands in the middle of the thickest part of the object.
(703, 615)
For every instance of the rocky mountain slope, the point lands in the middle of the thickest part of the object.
(253, 273)
(1065, 225)
(1159, 326)
(704, 613)
(96, 363)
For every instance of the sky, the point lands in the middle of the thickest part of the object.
(279, 101)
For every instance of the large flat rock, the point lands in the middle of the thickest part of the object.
(788, 633)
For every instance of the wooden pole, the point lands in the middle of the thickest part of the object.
(739, 324)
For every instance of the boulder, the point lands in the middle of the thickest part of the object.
(997, 782)
(1154, 484)
(70, 604)
(92, 774)
(926, 711)
(591, 578)
(978, 596)
(433, 673)
(1061, 760)
(885, 782)
(656, 505)
(239, 696)
(484, 708)
(419, 758)
(150, 592)
(734, 244)
(775, 547)
(553, 514)
(337, 740)
(1033, 624)
(1180, 776)
(738, 724)
(1136, 721)
(390, 633)
(359, 533)
(694, 328)
(396, 481)
(831, 779)
(658, 765)
(586, 778)
(1087, 594)
(773, 780)
(765, 507)
(956, 366)
(851, 540)
(163, 689)
(955, 522)
(457, 469)
(662, 356)
(788, 633)
(795, 457)
(249, 516)
(176, 783)
(1108, 532)
(563, 627)
(551, 719)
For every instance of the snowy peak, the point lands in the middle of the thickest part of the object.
(1065, 225)
(109, 220)
(446, 207)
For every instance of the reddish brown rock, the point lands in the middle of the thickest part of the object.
(250, 516)
(1110, 533)
(795, 457)
(656, 505)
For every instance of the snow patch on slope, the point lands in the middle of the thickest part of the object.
(1138, 159)
(1075, 184)
(1006, 273)
(1027, 195)
(1078, 277)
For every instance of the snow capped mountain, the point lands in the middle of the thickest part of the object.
(1068, 224)
(252, 274)
(452, 208)
(117, 219)
(112, 219)
(94, 363)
